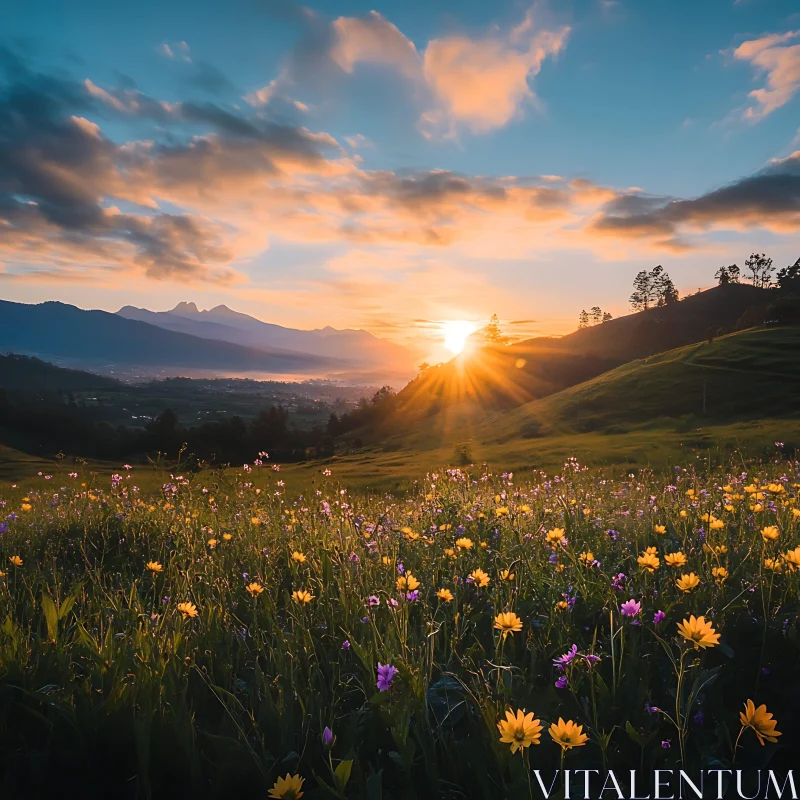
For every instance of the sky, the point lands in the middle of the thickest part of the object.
(393, 165)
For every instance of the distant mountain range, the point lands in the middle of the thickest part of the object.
(182, 342)
(358, 347)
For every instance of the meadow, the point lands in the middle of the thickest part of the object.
(216, 634)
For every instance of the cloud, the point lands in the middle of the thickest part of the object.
(480, 83)
(372, 39)
(483, 83)
(778, 60)
(769, 200)
(209, 187)
(177, 50)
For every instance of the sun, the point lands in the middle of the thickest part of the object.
(456, 333)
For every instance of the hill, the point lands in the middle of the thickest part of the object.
(747, 375)
(109, 342)
(31, 375)
(502, 377)
(362, 349)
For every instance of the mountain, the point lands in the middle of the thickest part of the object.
(31, 375)
(110, 342)
(359, 347)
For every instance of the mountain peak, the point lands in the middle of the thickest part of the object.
(185, 308)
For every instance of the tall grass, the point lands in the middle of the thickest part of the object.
(108, 690)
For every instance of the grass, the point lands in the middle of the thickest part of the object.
(111, 686)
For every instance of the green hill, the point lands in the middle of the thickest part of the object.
(748, 375)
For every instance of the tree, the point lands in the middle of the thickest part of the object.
(607, 316)
(492, 333)
(653, 288)
(789, 277)
(666, 291)
(597, 315)
(734, 273)
(761, 270)
(423, 367)
(642, 295)
(723, 276)
(583, 319)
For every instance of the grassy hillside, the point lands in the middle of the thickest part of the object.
(747, 375)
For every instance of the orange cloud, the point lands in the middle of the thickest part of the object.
(779, 61)
(483, 83)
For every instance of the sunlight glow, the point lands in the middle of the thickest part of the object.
(456, 333)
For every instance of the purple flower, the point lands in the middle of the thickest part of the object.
(374, 600)
(391, 602)
(666, 744)
(364, 620)
(651, 709)
(567, 658)
(385, 674)
(631, 609)
(354, 558)
(658, 617)
(553, 558)
(699, 718)
(412, 597)
(346, 644)
(618, 581)
(400, 568)
(592, 659)
(327, 737)
(561, 683)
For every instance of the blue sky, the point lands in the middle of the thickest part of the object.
(367, 165)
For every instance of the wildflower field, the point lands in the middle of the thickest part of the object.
(222, 638)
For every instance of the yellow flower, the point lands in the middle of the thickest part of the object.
(386, 561)
(757, 507)
(699, 632)
(302, 597)
(26, 507)
(480, 578)
(507, 621)
(649, 561)
(254, 589)
(761, 721)
(568, 734)
(716, 524)
(770, 533)
(796, 513)
(188, 610)
(407, 583)
(660, 529)
(520, 730)
(255, 521)
(2, 574)
(720, 574)
(212, 543)
(450, 552)
(792, 558)
(445, 594)
(445, 527)
(690, 492)
(651, 550)
(412, 536)
(299, 557)
(464, 543)
(523, 509)
(776, 488)
(288, 788)
(688, 583)
(506, 575)
(774, 564)
(154, 567)
(683, 513)
(15, 560)
(562, 605)
(675, 559)
(501, 512)
(586, 558)
(554, 536)
(227, 536)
